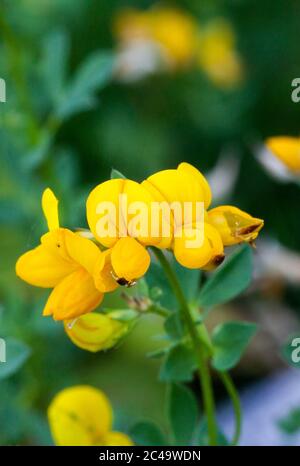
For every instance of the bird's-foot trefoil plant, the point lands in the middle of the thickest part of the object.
(152, 243)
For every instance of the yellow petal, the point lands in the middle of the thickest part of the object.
(43, 267)
(129, 259)
(94, 332)
(234, 225)
(112, 210)
(183, 189)
(73, 296)
(103, 273)
(117, 439)
(50, 209)
(104, 220)
(286, 149)
(82, 250)
(193, 250)
(79, 416)
(199, 178)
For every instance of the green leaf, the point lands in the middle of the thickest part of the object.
(157, 281)
(93, 74)
(147, 434)
(229, 280)
(157, 354)
(16, 355)
(179, 365)
(174, 326)
(202, 436)
(116, 175)
(54, 63)
(290, 424)
(291, 351)
(230, 341)
(189, 280)
(182, 413)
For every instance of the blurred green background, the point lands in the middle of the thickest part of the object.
(138, 128)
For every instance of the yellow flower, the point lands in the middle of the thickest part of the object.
(64, 261)
(176, 32)
(82, 416)
(234, 225)
(207, 255)
(173, 31)
(177, 187)
(217, 55)
(287, 150)
(187, 185)
(95, 332)
(114, 226)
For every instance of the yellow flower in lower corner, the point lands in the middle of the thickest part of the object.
(64, 261)
(287, 150)
(95, 332)
(234, 225)
(82, 416)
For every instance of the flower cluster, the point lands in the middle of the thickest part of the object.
(167, 38)
(82, 416)
(82, 266)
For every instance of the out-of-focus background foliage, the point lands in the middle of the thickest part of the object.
(68, 120)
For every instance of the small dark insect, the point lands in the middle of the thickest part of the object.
(218, 259)
(123, 282)
(126, 283)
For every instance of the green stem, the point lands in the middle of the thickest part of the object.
(161, 311)
(232, 392)
(199, 347)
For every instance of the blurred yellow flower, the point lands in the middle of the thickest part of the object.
(95, 332)
(169, 38)
(64, 261)
(287, 150)
(176, 32)
(217, 55)
(234, 225)
(172, 30)
(82, 416)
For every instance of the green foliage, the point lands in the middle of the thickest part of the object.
(229, 280)
(201, 437)
(182, 413)
(148, 434)
(115, 174)
(160, 290)
(17, 354)
(80, 94)
(178, 365)
(174, 326)
(189, 280)
(229, 342)
(53, 67)
(290, 424)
